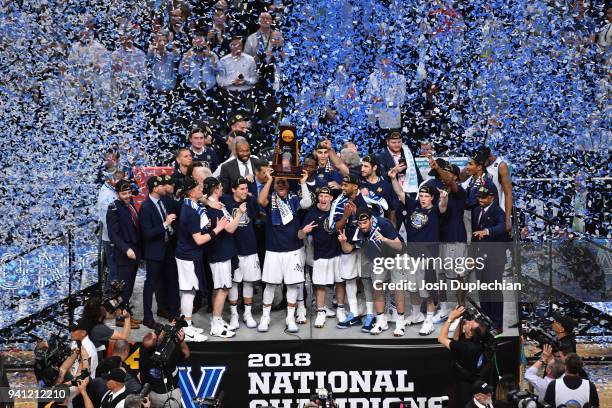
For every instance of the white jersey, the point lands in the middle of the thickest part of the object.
(564, 395)
(493, 170)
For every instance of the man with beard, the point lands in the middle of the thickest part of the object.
(377, 190)
(284, 250)
(326, 258)
(243, 165)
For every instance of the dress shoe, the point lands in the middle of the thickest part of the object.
(135, 320)
(163, 313)
(150, 324)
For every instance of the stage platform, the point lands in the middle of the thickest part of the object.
(307, 331)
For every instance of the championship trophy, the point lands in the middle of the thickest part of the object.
(286, 159)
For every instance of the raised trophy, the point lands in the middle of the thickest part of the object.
(286, 162)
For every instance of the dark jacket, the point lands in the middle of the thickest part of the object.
(494, 219)
(230, 172)
(122, 232)
(386, 163)
(153, 231)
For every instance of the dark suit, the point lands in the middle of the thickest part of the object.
(172, 302)
(124, 234)
(230, 172)
(492, 246)
(158, 255)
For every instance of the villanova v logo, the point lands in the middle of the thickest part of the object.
(210, 379)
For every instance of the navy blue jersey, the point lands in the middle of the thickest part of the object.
(244, 237)
(453, 228)
(222, 248)
(350, 229)
(382, 189)
(422, 225)
(208, 157)
(370, 246)
(325, 239)
(324, 175)
(190, 223)
(279, 237)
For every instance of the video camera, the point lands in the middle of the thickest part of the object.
(84, 374)
(525, 399)
(542, 336)
(168, 343)
(112, 299)
(474, 312)
(53, 356)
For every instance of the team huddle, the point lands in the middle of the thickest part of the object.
(330, 225)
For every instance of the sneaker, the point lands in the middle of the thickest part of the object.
(426, 328)
(341, 314)
(193, 335)
(247, 318)
(399, 328)
(453, 325)
(221, 330)
(380, 326)
(197, 329)
(264, 324)
(291, 325)
(320, 320)
(440, 316)
(351, 320)
(368, 323)
(329, 312)
(415, 319)
(234, 323)
(300, 315)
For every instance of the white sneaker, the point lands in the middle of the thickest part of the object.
(234, 323)
(415, 319)
(192, 335)
(440, 316)
(400, 328)
(341, 314)
(264, 324)
(197, 329)
(453, 325)
(320, 320)
(426, 328)
(247, 318)
(291, 325)
(329, 312)
(221, 330)
(380, 326)
(300, 315)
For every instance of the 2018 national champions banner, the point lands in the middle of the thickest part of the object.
(359, 373)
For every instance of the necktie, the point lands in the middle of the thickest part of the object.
(107, 400)
(134, 215)
(161, 210)
(481, 218)
(246, 169)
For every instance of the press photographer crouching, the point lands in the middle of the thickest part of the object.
(160, 355)
(468, 352)
(95, 313)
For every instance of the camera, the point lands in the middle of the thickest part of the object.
(47, 359)
(84, 374)
(541, 336)
(210, 401)
(474, 312)
(146, 390)
(166, 347)
(525, 399)
(112, 299)
(324, 398)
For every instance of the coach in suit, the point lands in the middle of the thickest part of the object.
(156, 222)
(488, 239)
(124, 233)
(241, 166)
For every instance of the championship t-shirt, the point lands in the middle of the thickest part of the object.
(244, 237)
(325, 240)
(283, 238)
(422, 225)
(453, 228)
(189, 224)
(222, 248)
(382, 189)
(370, 246)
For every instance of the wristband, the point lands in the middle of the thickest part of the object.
(212, 234)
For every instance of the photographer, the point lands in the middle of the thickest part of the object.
(53, 362)
(88, 353)
(100, 334)
(553, 369)
(163, 377)
(467, 351)
(571, 387)
(564, 328)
